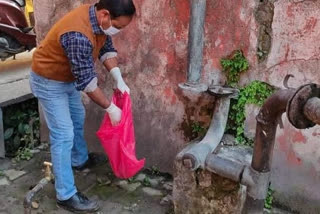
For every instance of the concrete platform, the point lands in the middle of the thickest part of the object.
(14, 86)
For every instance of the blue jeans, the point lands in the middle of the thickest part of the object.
(64, 113)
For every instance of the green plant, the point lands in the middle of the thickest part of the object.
(198, 130)
(254, 93)
(22, 128)
(234, 66)
(131, 180)
(1, 173)
(146, 182)
(155, 170)
(23, 154)
(268, 201)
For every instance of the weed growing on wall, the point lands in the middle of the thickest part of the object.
(198, 130)
(22, 129)
(234, 66)
(254, 93)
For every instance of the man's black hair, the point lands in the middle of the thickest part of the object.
(117, 7)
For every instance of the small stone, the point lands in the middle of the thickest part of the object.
(35, 205)
(34, 151)
(168, 186)
(122, 183)
(4, 182)
(43, 146)
(103, 181)
(160, 179)
(132, 187)
(13, 174)
(228, 140)
(152, 192)
(154, 182)
(131, 208)
(205, 179)
(140, 177)
(126, 186)
(166, 200)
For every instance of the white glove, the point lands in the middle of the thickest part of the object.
(121, 85)
(114, 114)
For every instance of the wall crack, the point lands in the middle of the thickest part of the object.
(264, 17)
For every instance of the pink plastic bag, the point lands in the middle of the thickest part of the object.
(119, 141)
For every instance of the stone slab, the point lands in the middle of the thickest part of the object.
(13, 174)
(15, 92)
(4, 181)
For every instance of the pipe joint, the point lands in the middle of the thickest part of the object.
(256, 182)
(297, 105)
(225, 167)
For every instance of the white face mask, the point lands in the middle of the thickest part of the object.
(111, 31)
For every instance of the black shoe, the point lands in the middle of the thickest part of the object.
(94, 159)
(79, 203)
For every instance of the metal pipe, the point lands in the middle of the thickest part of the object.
(312, 110)
(196, 155)
(267, 121)
(195, 47)
(27, 203)
(225, 167)
(196, 36)
(28, 198)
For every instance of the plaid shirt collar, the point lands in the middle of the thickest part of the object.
(94, 21)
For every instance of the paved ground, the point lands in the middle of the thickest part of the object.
(99, 183)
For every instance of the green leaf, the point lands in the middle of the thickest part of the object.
(21, 128)
(27, 129)
(8, 133)
(16, 141)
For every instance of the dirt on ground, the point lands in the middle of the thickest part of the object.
(148, 192)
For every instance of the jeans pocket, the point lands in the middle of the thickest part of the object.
(38, 85)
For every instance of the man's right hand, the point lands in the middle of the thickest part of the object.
(114, 114)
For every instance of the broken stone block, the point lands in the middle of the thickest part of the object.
(4, 182)
(223, 196)
(13, 174)
(152, 192)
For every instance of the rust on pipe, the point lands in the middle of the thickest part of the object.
(267, 121)
(312, 110)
